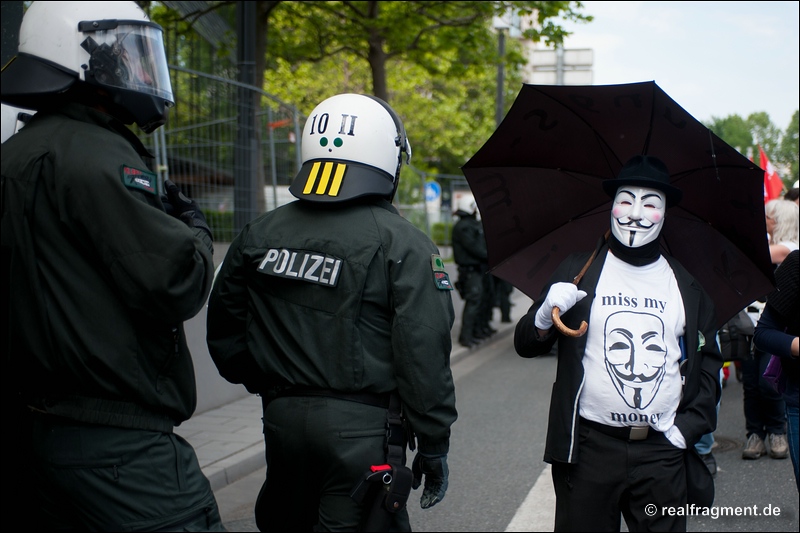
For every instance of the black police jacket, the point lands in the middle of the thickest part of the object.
(101, 278)
(349, 298)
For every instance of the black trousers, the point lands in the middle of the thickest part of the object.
(764, 409)
(102, 478)
(318, 449)
(472, 318)
(615, 478)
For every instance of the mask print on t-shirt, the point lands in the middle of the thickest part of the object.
(635, 356)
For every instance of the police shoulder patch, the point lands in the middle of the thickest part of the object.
(142, 180)
(442, 281)
(440, 277)
(437, 264)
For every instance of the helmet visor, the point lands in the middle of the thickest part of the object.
(129, 55)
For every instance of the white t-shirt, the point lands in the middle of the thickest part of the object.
(791, 245)
(632, 360)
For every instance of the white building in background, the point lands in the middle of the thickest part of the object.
(559, 67)
(547, 66)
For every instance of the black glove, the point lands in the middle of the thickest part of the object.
(434, 467)
(184, 208)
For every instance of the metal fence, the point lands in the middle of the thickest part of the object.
(202, 148)
(236, 171)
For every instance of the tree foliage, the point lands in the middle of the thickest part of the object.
(746, 135)
(435, 62)
(423, 33)
(788, 150)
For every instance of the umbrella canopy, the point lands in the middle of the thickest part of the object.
(537, 183)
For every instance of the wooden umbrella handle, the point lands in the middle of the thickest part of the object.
(556, 313)
(564, 329)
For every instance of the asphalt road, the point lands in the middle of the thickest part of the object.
(498, 481)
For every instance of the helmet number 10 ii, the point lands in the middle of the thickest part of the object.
(322, 127)
(352, 146)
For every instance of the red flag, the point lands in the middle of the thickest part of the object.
(772, 182)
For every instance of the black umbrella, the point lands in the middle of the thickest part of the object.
(537, 183)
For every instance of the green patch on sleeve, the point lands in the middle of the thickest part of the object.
(142, 180)
(442, 281)
(437, 264)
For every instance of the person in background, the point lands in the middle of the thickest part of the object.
(503, 290)
(337, 311)
(793, 194)
(777, 334)
(488, 300)
(705, 446)
(606, 466)
(782, 228)
(469, 254)
(101, 276)
(764, 408)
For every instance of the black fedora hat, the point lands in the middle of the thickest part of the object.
(644, 171)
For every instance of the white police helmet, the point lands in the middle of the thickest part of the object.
(465, 205)
(353, 146)
(112, 45)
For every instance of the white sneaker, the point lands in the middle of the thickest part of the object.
(778, 447)
(755, 448)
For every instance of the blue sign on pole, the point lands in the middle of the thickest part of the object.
(432, 191)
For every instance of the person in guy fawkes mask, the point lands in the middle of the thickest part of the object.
(621, 420)
(100, 274)
(337, 311)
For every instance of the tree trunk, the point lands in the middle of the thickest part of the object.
(377, 57)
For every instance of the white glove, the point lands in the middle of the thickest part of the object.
(561, 295)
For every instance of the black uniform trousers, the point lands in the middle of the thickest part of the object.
(139, 480)
(318, 449)
(473, 314)
(613, 477)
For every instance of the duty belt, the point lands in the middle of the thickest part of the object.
(102, 411)
(621, 433)
(368, 398)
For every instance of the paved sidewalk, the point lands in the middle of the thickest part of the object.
(229, 442)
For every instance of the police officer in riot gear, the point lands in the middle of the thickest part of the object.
(100, 279)
(469, 253)
(338, 311)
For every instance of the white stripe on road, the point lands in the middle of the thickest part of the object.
(537, 512)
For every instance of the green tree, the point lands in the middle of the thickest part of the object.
(758, 130)
(381, 31)
(438, 67)
(789, 151)
(734, 130)
(424, 33)
(765, 133)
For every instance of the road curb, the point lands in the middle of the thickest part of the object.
(233, 468)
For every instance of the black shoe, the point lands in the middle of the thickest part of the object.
(506, 320)
(468, 343)
(710, 462)
(488, 331)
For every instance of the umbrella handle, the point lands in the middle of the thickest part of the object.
(564, 329)
(556, 313)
